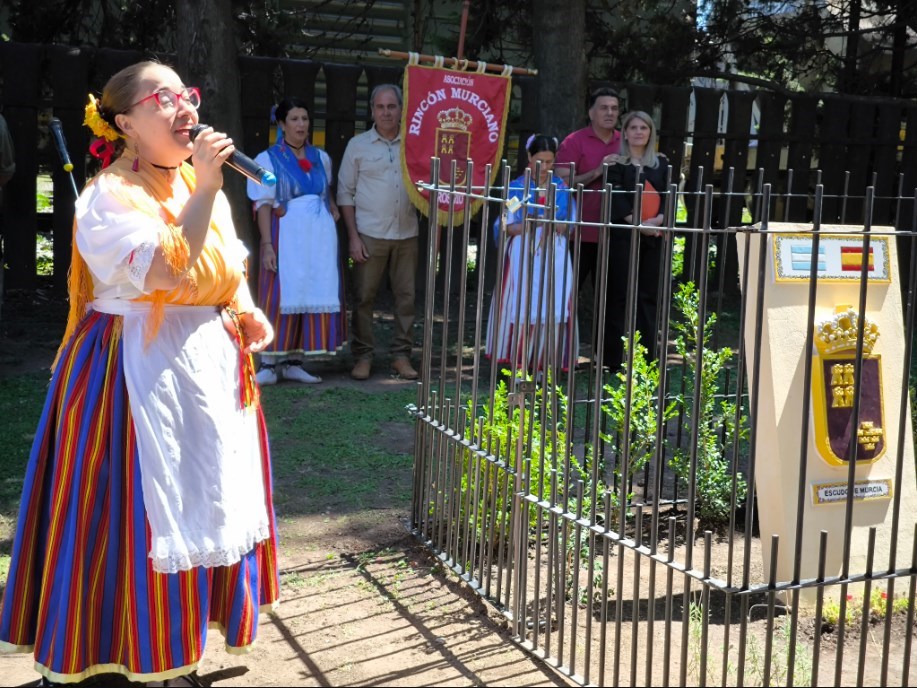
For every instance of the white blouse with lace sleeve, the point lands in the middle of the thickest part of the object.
(116, 241)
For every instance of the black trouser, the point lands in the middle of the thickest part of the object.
(647, 285)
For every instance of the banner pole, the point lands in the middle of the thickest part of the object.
(466, 4)
(457, 63)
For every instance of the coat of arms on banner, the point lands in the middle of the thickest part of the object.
(455, 116)
(834, 391)
(453, 144)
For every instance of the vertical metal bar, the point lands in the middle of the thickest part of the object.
(481, 260)
(819, 603)
(722, 254)
(498, 315)
(695, 427)
(855, 420)
(453, 484)
(562, 569)
(603, 628)
(669, 580)
(769, 632)
(551, 583)
(423, 389)
(502, 537)
(635, 613)
(574, 606)
(488, 518)
(801, 482)
(903, 416)
(705, 610)
(912, 594)
(789, 195)
(619, 608)
(844, 197)
(463, 288)
(867, 591)
(447, 286)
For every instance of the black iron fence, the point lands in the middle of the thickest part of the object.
(631, 522)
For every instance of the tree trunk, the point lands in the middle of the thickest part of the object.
(207, 58)
(852, 50)
(559, 30)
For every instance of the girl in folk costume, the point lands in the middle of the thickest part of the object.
(531, 314)
(301, 284)
(146, 513)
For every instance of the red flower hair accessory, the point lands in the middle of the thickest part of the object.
(103, 150)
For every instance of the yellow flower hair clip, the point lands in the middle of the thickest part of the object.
(94, 121)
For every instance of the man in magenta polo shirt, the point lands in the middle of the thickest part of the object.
(589, 149)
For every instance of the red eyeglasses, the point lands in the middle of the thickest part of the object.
(167, 98)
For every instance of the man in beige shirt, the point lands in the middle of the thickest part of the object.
(382, 231)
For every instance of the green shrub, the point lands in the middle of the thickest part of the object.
(644, 420)
(715, 422)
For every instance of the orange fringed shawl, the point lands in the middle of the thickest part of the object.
(210, 281)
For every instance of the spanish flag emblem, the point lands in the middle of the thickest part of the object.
(852, 259)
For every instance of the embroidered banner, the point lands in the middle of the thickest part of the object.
(456, 116)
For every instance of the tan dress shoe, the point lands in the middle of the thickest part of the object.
(403, 367)
(362, 369)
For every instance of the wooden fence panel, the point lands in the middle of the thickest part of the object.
(799, 156)
(640, 97)
(703, 158)
(771, 137)
(299, 78)
(673, 125)
(906, 220)
(527, 123)
(257, 77)
(735, 158)
(885, 151)
(341, 117)
(832, 159)
(377, 75)
(22, 82)
(860, 143)
(69, 69)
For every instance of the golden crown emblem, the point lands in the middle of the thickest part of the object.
(840, 332)
(454, 118)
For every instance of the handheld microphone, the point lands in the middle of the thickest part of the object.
(60, 143)
(241, 163)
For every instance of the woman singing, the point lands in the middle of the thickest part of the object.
(146, 511)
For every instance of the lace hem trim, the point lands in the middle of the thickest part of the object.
(141, 259)
(173, 562)
(310, 308)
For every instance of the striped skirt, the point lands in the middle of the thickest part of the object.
(310, 333)
(81, 592)
(526, 328)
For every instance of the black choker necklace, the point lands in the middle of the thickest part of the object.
(163, 167)
(297, 148)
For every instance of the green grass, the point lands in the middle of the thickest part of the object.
(21, 400)
(338, 447)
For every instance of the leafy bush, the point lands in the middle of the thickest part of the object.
(643, 424)
(715, 422)
(503, 420)
(44, 256)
